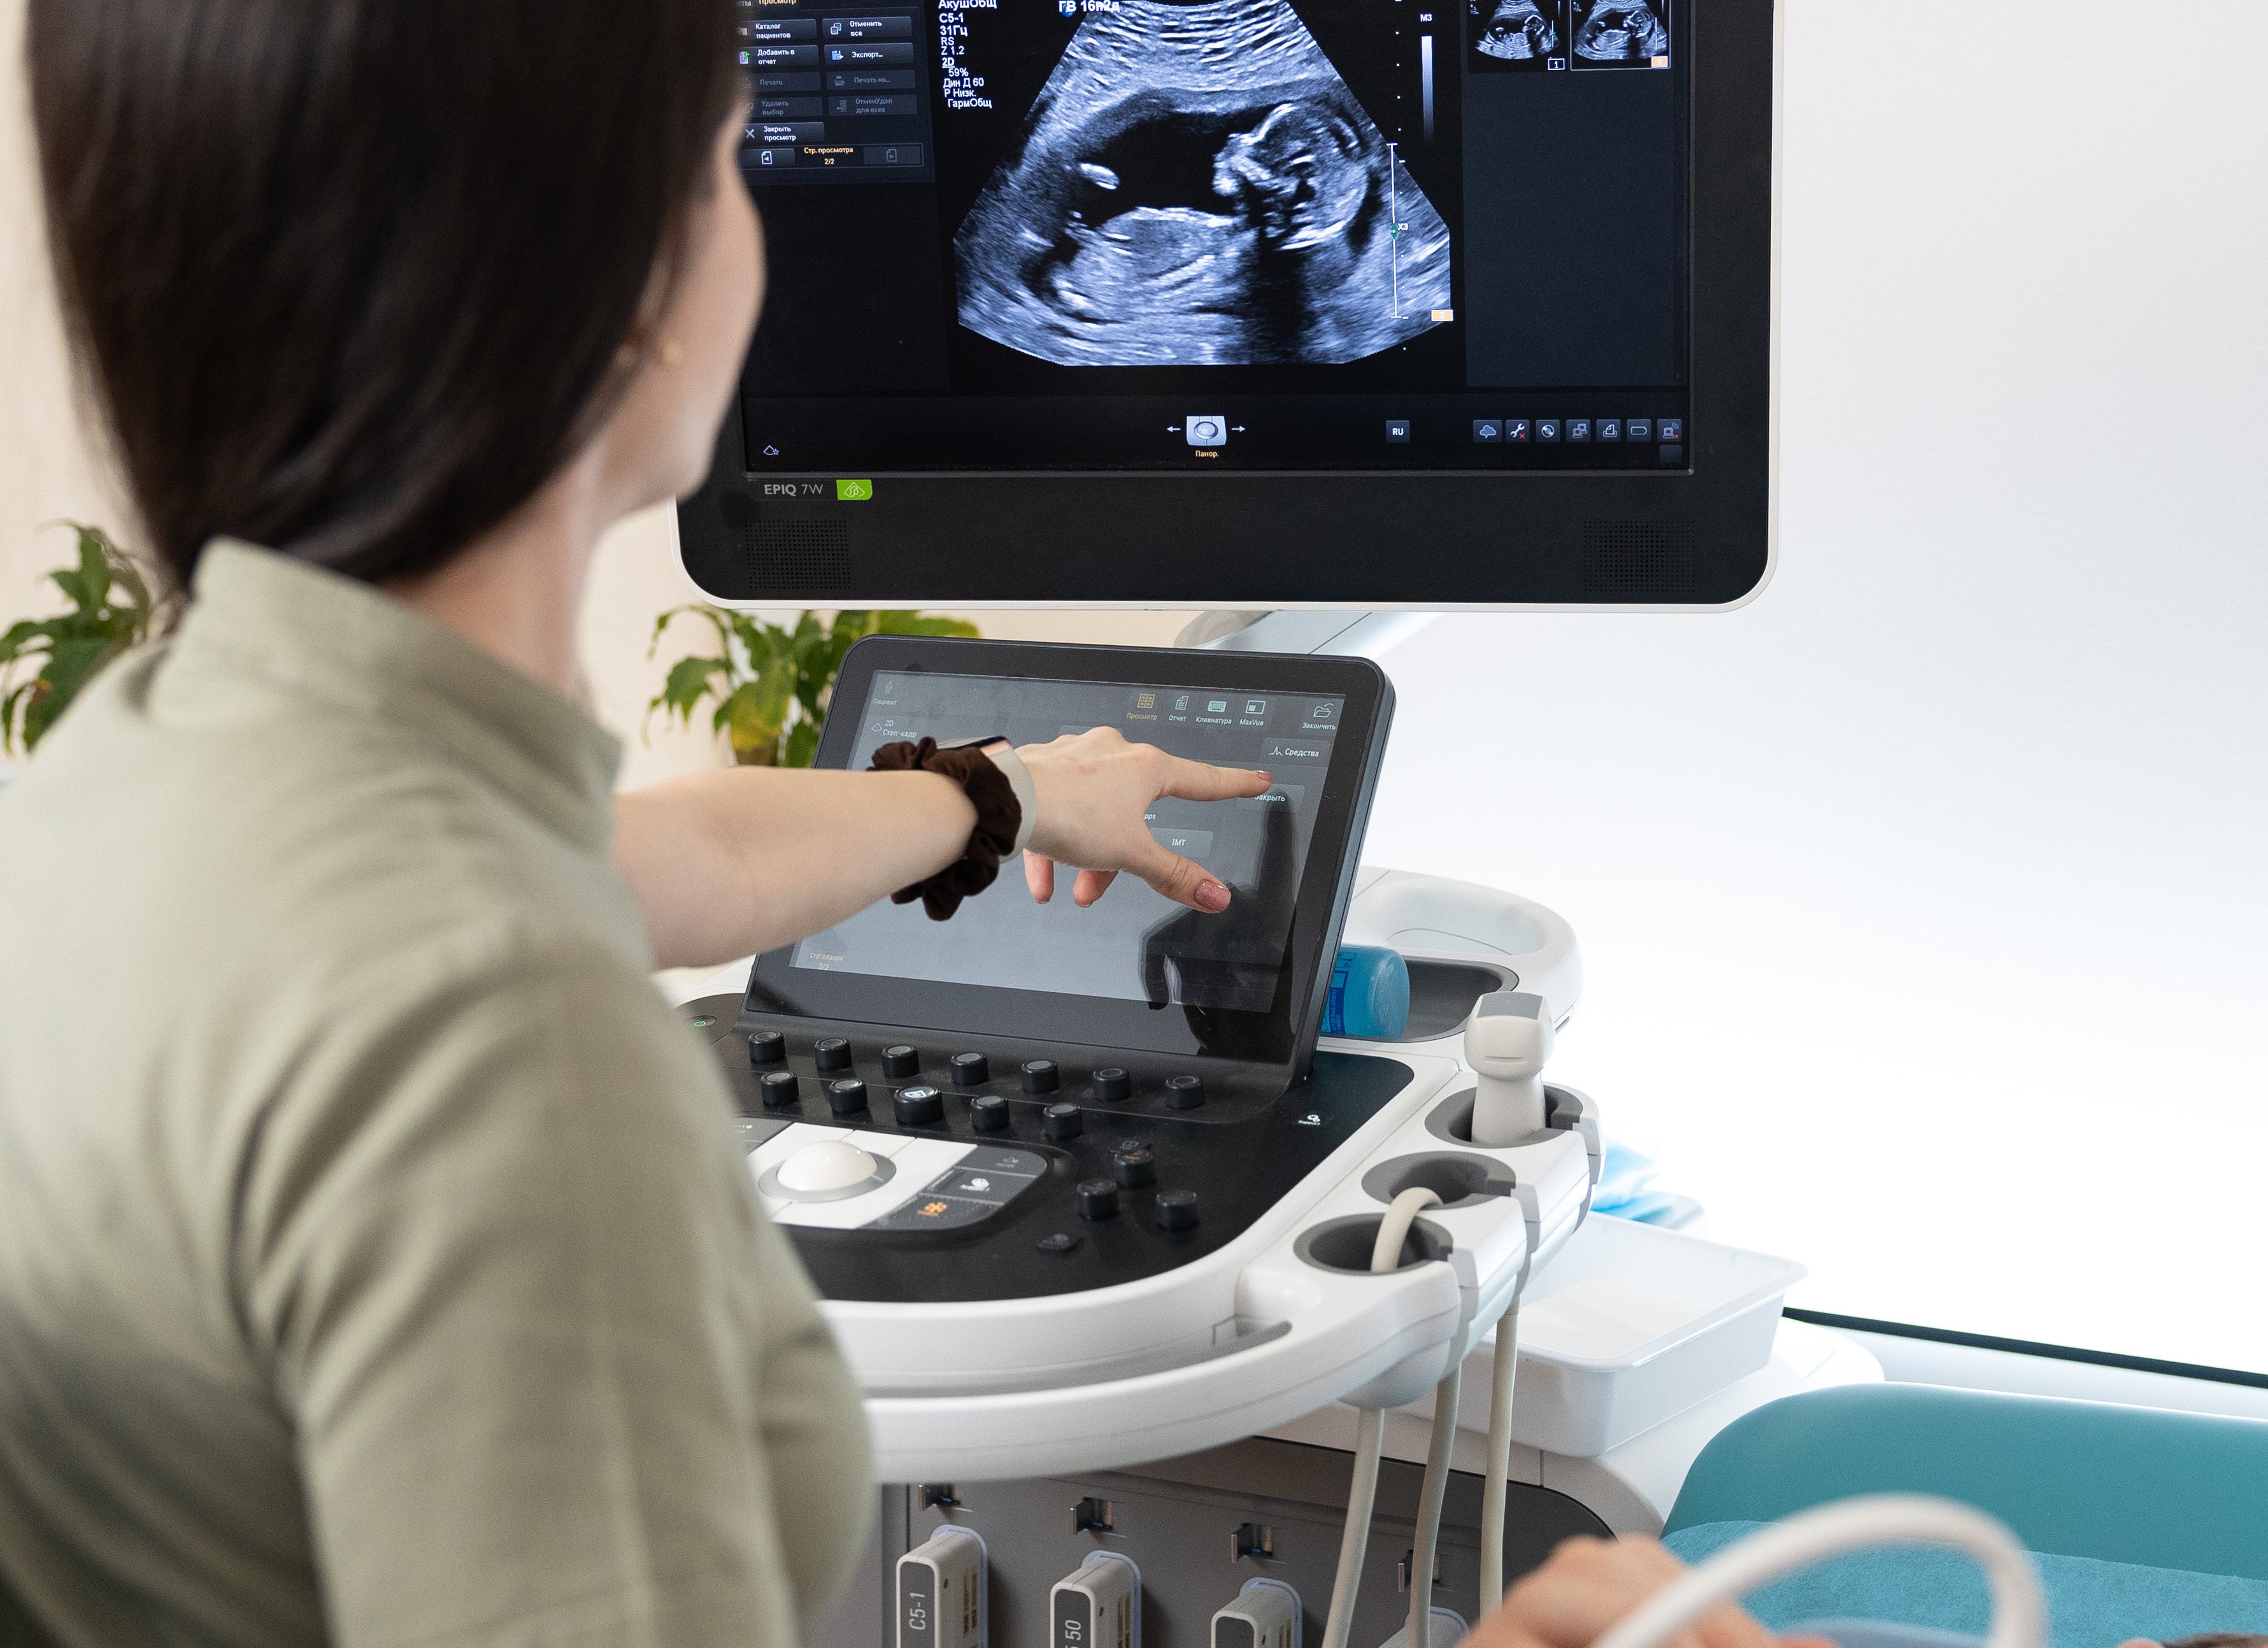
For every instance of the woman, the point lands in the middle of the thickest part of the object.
(380, 1271)
(375, 1265)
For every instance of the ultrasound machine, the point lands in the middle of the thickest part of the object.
(1162, 1266)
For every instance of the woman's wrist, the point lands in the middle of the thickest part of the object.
(1004, 756)
(990, 786)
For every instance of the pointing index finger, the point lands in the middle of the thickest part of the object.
(1194, 781)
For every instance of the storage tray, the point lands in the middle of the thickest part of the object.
(1629, 1326)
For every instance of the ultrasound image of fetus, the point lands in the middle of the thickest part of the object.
(1197, 186)
(1621, 31)
(1516, 31)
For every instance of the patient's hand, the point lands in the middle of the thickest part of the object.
(1588, 1585)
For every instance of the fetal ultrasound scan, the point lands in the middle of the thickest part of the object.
(1515, 35)
(1195, 185)
(1620, 33)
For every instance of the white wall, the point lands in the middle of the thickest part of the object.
(1923, 901)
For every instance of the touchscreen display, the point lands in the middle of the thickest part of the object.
(1132, 945)
(1216, 234)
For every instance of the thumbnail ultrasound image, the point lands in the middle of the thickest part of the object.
(1510, 36)
(1197, 185)
(1620, 33)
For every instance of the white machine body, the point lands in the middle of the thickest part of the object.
(1255, 1335)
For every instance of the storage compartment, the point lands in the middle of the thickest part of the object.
(1629, 1326)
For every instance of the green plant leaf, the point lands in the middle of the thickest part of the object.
(802, 745)
(775, 685)
(690, 680)
(761, 640)
(17, 643)
(72, 582)
(662, 620)
(94, 569)
(130, 579)
(715, 620)
(915, 624)
(71, 663)
(8, 702)
(756, 713)
(42, 705)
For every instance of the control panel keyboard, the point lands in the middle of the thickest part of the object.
(1039, 1169)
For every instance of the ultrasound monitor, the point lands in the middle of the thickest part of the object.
(1416, 303)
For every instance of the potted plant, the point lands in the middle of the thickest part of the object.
(111, 610)
(772, 684)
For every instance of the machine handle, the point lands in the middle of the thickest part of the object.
(2019, 1611)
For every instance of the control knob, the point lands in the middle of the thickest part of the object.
(831, 1053)
(919, 1106)
(1062, 1121)
(1133, 1165)
(766, 1046)
(1177, 1209)
(1097, 1199)
(988, 1113)
(780, 1088)
(971, 1070)
(1112, 1084)
(846, 1097)
(1040, 1076)
(900, 1061)
(1184, 1093)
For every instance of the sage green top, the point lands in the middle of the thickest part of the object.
(376, 1263)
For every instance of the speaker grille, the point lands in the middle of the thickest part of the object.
(798, 558)
(1626, 559)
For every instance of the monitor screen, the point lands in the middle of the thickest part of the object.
(1133, 945)
(1271, 235)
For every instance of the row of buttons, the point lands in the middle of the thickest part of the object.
(847, 1095)
(1520, 431)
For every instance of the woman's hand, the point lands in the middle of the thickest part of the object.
(1093, 790)
(1588, 1585)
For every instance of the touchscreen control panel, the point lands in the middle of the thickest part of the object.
(1135, 998)
(1134, 944)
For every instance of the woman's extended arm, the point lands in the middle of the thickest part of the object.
(729, 862)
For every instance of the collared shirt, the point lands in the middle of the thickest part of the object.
(375, 1265)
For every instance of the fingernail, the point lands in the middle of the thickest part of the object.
(1212, 896)
(1264, 777)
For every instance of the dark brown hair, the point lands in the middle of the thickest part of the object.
(351, 279)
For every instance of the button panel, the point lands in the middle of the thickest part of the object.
(956, 1153)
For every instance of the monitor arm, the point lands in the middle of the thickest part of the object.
(1370, 634)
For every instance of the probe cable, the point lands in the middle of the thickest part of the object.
(2019, 1611)
(1498, 1472)
(1362, 1497)
(1428, 1543)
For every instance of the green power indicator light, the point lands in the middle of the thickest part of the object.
(853, 491)
(702, 1022)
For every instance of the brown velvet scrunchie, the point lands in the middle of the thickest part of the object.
(999, 817)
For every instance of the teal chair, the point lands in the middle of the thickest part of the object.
(2145, 1523)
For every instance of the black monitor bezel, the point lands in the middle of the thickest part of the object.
(1283, 1037)
(1699, 536)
